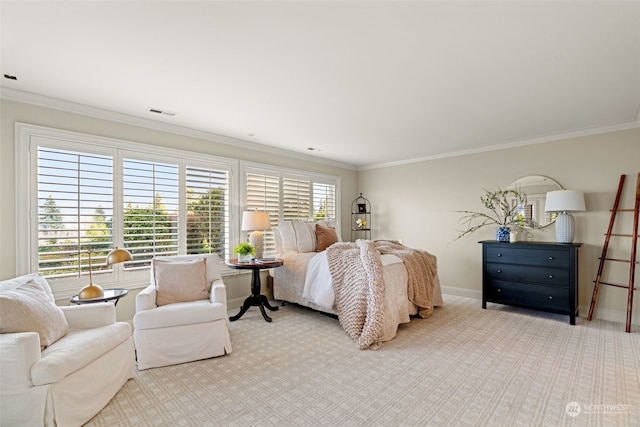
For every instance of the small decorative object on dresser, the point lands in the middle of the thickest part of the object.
(503, 210)
(541, 275)
(503, 234)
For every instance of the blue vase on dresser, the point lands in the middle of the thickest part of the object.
(502, 234)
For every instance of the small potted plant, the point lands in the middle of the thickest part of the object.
(503, 210)
(245, 251)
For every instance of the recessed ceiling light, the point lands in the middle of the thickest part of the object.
(10, 77)
(159, 111)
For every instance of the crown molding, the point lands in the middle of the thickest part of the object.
(550, 138)
(86, 110)
(113, 116)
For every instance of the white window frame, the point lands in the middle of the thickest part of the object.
(29, 137)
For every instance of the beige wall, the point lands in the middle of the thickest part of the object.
(414, 202)
(418, 202)
(11, 112)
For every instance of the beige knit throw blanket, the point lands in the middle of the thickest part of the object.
(358, 284)
(422, 269)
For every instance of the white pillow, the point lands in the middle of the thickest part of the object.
(278, 239)
(28, 308)
(299, 236)
(180, 281)
(305, 236)
(287, 236)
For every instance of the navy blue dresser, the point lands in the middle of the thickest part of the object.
(537, 275)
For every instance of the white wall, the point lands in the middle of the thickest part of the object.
(418, 202)
(238, 286)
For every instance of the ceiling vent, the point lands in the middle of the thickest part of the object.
(163, 112)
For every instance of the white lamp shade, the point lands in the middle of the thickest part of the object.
(565, 201)
(256, 220)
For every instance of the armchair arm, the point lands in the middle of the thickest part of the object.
(89, 316)
(146, 300)
(20, 402)
(18, 353)
(218, 292)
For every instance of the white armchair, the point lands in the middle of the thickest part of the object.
(182, 332)
(72, 379)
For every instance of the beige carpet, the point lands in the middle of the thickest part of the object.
(464, 366)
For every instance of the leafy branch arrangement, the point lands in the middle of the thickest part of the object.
(503, 212)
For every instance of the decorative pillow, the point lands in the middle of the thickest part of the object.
(326, 237)
(331, 223)
(297, 236)
(278, 239)
(180, 281)
(28, 308)
(305, 236)
(287, 236)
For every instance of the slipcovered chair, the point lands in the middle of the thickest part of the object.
(58, 365)
(182, 315)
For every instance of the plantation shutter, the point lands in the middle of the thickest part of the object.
(150, 217)
(296, 198)
(263, 193)
(324, 201)
(75, 211)
(207, 211)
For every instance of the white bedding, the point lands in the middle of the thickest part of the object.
(317, 283)
(290, 285)
(304, 278)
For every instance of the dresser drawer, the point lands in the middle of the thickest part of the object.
(512, 255)
(516, 273)
(549, 298)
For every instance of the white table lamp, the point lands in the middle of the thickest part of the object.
(565, 201)
(256, 222)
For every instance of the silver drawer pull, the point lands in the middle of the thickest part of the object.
(499, 290)
(550, 296)
(499, 255)
(551, 276)
(551, 258)
(499, 271)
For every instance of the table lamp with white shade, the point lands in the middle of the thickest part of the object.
(565, 201)
(256, 222)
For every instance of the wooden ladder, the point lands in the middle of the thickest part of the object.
(632, 260)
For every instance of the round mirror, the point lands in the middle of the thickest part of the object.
(536, 188)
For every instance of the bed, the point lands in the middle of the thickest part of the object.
(371, 286)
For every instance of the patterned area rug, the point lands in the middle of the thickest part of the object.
(463, 366)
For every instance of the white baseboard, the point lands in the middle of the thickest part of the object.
(235, 302)
(462, 292)
(618, 316)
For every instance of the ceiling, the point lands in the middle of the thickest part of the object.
(363, 83)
